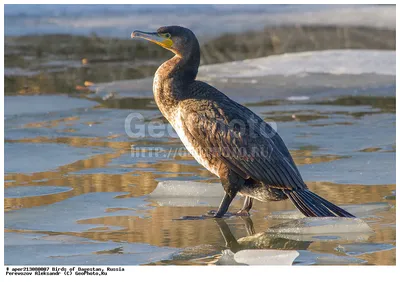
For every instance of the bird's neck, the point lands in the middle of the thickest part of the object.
(172, 80)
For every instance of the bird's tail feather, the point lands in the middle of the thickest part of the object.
(312, 205)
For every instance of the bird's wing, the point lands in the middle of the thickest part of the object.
(252, 152)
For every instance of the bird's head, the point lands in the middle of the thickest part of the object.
(177, 39)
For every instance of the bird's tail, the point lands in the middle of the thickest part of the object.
(312, 205)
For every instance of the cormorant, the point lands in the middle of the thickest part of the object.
(228, 139)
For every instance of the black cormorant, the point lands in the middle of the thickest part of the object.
(228, 139)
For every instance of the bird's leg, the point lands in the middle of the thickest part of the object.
(247, 205)
(225, 203)
(232, 182)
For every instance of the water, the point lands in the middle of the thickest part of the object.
(75, 193)
(123, 19)
(71, 180)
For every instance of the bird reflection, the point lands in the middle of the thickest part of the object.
(255, 240)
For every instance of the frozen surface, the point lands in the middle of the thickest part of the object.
(64, 216)
(350, 62)
(298, 77)
(43, 104)
(29, 191)
(322, 225)
(357, 249)
(374, 168)
(43, 156)
(39, 249)
(205, 20)
(357, 210)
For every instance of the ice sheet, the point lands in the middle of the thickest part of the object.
(187, 189)
(266, 257)
(321, 225)
(350, 62)
(31, 191)
(187, 194)
(64, 216)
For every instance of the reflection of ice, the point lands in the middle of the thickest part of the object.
(357, 210)
(363, 248)
(321, 225)
(310, 258)
(347, 236)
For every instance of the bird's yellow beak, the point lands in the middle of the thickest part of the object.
(158, 38)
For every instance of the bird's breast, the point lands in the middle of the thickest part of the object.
(201, 155)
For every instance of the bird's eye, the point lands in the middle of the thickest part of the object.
(167, 35)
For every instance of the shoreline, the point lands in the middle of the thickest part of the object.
(59, 63)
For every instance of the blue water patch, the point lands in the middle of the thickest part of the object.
(34, 191)
(40, 157)
(39, 249)
(73, 19)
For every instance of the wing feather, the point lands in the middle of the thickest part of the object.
(255, 154)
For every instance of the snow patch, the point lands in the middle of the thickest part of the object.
(337, 62)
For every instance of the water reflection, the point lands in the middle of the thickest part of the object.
(257, 241)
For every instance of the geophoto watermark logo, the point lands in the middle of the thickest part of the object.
(243, 139)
